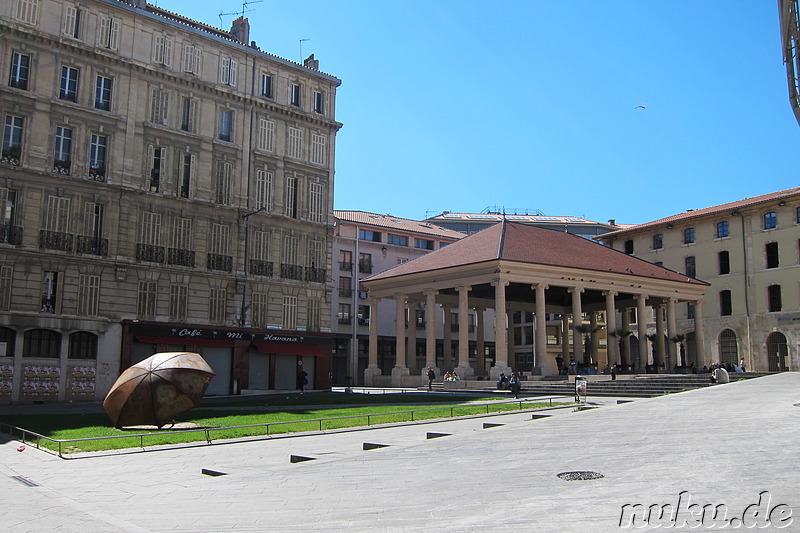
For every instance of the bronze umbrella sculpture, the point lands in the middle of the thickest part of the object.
(156, 390)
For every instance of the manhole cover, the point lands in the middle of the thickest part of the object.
(580, 476)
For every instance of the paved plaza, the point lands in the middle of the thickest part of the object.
(733, 446)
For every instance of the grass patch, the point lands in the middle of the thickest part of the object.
(224, 420)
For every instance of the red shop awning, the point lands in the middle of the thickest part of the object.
(291, 348)
(186, 341)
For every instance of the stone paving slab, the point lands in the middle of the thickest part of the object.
(722, 445)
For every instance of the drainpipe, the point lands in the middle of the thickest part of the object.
(746, 291)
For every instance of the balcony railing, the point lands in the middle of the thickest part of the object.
(11, 234)
(180, 257)
(345, 265)
(315, 275)
(11, 156)
(220, 262)
(260, 268)
(91, 245)
(291, 272)
(97, 174)
(55, 240)
(345, 292)
(345, 320)
(365, 267)
(62, 167)
(150, 252)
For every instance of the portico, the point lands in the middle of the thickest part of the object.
(510, 266)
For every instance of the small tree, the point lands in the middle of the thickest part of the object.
(587, 331)
(620, 335)
(680, 340)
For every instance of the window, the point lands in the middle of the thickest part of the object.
(688, 236)
(20, 69)
(364, 263)
(423, 244)
(220, 239)
(369, 235)
(225, 126)
(318, 149)
(41, 343)
(162, 50)
(260, 248)
(189, 114)
(346, 260)
(178, 299)
(73, 22)
(291, 197)
(222, 183)
(344, 314)
(289, 254)
(107, 32)
(182, 233)
(771, 250)
(770, 220)
(629, 246)
(295, 92)
(689, 265)
(185, 173)
(27, 11)
(159, 106)
(399, 240)
(266, 85)
(157, 156)
(12, 140)
(774, 296)
(82, 345)
(727, 347)
(146, 300)
(319, 102)
(57, 215)
(658, 241)
(216, 306)
(266, 135)
(88, 294)
(725, 306)
(290, 312)
(151, 229)
(689, 310)
(69, 84)
(314, 256)
(316, 202)
(102, 93)
(227, 71)
(6, 284)
(259, 305)
(97, 157)
(724, 262)
(93, 220)
(363, 314)
(313, 314)
(722, 229)
(295, 143)
(263, 199)
(51, 291)
(192, 59)
(345, 286)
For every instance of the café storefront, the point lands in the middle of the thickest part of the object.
(243, 359)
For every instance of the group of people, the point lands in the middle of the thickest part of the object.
(450, 375)
(512, 383)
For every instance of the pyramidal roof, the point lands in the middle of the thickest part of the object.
(521, 243)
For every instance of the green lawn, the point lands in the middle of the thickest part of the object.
(222, 419)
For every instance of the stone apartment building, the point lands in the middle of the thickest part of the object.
(164, 185)
(749, 253)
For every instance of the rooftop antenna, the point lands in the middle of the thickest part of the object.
(245, 9)
(301, 48)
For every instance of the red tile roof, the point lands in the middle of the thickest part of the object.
(697, 213)
(396, 223)
(511, 241)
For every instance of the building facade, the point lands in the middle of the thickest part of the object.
(164, 185)
(367, 244)
(749, 253)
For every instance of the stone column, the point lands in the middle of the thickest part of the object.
(411, 337)
(447, 339)
(672, 330)
(699, 334)
(660, 359)
(400, 369)
(543, 362)
(372, 369)
(612, 342)
(480, 340)
(500, 330)
(641, 322)
(464, 370)
(593, 341)
(626, 339)
(430, 333)
(565, 338)
(577, 320)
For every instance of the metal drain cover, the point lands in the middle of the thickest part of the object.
(580, 475)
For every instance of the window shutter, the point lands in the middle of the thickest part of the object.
(158, 49)
(232, 73)
(168, 51)
(70, 14)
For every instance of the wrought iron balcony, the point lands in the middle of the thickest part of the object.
(345, 320)
(62, 167)
(345, 292)
(91, 245)
(365, 267)
(291, 272)
(150, 253)
(260, 268)
(55, 240)
(178, 256)
(11, 234)
(11, 156)
(315, 275)
(97, 174)
(220, 262)
(345, 265)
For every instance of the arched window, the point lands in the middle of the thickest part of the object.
(41, 343)
(728, 351)
(82, 345)
(9, 337)
(777, 352)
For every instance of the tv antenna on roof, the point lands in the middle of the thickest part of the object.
(245, 9)
(301, 48)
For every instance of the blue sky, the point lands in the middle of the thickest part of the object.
(461, 105)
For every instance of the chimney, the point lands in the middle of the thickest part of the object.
(141, 4)
(612, 221)
(240, 30)
(311, 63)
